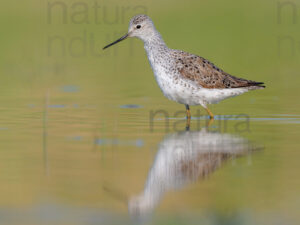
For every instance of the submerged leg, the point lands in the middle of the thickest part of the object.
(211, 116)
(188, 117)
(188, 112)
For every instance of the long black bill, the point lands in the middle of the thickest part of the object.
(115, 42)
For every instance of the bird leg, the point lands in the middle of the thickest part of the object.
(211, 116)
(188, 112)
(188, 117)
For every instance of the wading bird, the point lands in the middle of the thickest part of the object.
(183, 77)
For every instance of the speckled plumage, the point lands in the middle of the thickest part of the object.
(183, 77)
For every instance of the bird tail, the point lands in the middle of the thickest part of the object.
(253, 85)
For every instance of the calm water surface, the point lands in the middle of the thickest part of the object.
(67, 158)
(86, 136)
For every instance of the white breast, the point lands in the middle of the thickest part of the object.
(161, 69)
(182, 90)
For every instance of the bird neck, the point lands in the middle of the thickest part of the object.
(154, 42)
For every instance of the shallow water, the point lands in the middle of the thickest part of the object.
(69, 160)
(86, 136)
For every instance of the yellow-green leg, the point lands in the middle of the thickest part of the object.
(211, 116)
(188, 117)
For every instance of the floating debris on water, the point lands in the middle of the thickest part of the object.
(70, 88)
(136, 142)
(130, 106)
(31, 105)
(75, 138)
(56, 106)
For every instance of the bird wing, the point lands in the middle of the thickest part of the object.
(206, 74)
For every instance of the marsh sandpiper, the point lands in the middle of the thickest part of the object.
(183, 77)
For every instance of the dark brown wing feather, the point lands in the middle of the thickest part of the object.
(207, 75)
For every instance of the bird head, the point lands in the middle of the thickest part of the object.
(140, 26)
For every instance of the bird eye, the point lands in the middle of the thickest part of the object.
(138, 26)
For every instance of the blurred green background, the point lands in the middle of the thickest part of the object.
(41, 47)
(60, 93)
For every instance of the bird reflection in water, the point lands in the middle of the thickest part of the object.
(183, 158)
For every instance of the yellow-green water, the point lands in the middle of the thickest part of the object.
(77, 138)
